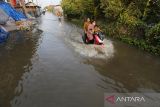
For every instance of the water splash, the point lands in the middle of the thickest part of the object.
(94, 51)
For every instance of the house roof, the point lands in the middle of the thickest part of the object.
(31, 4)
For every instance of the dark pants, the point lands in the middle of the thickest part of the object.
(86, 41)
(84, 37)
(91, 41)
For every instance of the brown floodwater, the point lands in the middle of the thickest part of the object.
(51, 67)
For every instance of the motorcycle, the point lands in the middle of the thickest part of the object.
(98, 38)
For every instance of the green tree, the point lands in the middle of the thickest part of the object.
(112, 8)
(77, 8)
(152, 12)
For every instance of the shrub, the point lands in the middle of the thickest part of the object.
(130, 23)
(153, 35)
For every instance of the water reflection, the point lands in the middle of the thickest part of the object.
(130, 70)
(15, 59)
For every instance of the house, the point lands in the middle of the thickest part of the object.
(30, 7)
(33, 9)
(58, 10)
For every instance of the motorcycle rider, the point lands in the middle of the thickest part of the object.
(90, 32)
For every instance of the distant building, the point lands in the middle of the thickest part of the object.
(33, 9)
(30, 7)
(58, 10)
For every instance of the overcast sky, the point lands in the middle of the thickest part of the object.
(44, 3)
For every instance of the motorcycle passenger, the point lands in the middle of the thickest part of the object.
(98, 35)
(97, 29)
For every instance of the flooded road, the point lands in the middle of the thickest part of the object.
(51, 67)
